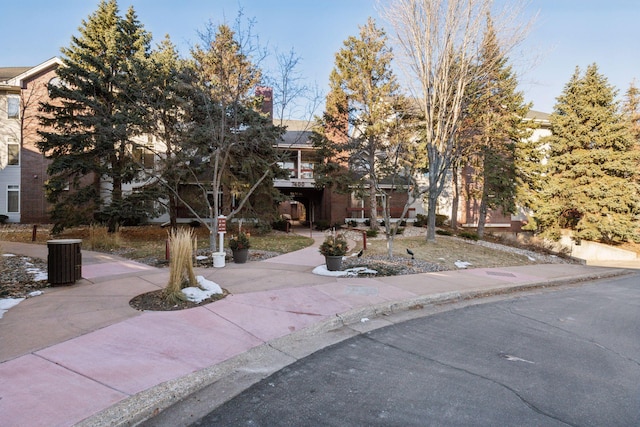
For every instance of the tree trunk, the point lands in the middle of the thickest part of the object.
(456, 198)
(482, 215)
(373, 205)
(116, 200)
(431, 216)
(173, 212)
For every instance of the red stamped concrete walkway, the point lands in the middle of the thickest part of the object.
(80, 355)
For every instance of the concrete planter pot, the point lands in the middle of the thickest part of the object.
(240, 256)
(334, 262)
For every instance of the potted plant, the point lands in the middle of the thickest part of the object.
(240, 245)
(334, 248)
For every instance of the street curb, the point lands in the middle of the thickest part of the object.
(234, 375)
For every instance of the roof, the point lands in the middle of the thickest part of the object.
(7, 73)
(15, 75)
(537, 115)
(297, 134)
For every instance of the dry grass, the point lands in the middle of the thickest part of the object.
(143, 242)
(101, 240)
(181, 273)
(446, 250)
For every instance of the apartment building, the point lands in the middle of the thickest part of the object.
(22, 167)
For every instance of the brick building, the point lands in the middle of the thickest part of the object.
(23, 168)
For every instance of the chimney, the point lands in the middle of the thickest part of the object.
(267, 99)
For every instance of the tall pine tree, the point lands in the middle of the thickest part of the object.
(361, 112)
(590, 184)
(631, 110)
(495, 115)
(229, 132)
(94, 116)
(168, 99)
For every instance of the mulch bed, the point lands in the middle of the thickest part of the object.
(154, 301)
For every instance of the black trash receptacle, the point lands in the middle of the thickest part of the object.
(64, 262)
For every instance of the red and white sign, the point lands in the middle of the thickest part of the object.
(222, 224)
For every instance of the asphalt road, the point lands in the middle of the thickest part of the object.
(568, 357)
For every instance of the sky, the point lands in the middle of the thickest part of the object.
(565, 34)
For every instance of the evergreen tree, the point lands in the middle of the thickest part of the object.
(94, 116)
(631, 110)
(232, 143)
(167, 99)
(495, 125)
(361, 114)
(590, 184)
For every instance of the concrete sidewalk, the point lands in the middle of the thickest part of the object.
(80, 355)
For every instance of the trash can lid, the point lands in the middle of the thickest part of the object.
(64, 241)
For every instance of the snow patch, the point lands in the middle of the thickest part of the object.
(206, 289)
(321, 270)
(462, 264)
(38, 275)
(7, 303)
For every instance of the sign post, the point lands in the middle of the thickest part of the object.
(218, 257)
(222, 229)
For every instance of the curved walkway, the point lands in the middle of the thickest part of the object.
(80, 355)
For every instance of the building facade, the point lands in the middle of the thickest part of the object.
(23, 168)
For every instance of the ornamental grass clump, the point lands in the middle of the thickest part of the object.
(334, 245)
(101, 240)
(181, 274)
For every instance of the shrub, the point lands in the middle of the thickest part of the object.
(3, 219)
(322, 225)
(334, 245)
(440, 220)
(421, 221)
(372, 233)
(468, 235)
(259, 227)
(280, 224)
(403, 223)
(241, 241)
(352, 223)
(444, 232)
(399, 230)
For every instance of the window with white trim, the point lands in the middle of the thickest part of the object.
(13, 154)
(13, 107)
(144, 156)
(13, 198)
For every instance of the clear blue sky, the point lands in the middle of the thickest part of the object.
(566, 34)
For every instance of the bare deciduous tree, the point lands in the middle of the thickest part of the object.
(440, 41)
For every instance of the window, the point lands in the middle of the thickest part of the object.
(54, 82)
(13, 154)
(13, 198)
(306, 170)
(290, 166)
(144, 156)
(13, 107)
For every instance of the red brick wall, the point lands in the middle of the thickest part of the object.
(33, 207)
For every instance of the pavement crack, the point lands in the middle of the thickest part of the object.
(81, 374)
(475, 374)
(576, 336)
